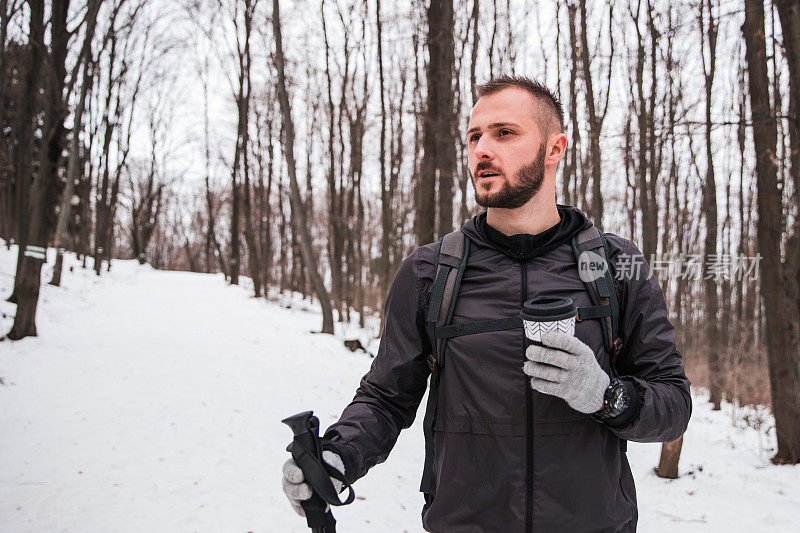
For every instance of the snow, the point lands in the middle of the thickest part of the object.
(151, 401)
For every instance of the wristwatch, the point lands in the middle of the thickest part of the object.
(615, 400)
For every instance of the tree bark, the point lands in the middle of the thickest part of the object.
(43, 197)
(25, 139)
(386, 211)
(443, 46)
(571, 167)
(783, 364)
(647, 205)
(789, 12)
(268, 252)
(474, 51)
(334, 193)
(253, 253)
(668, 462)
(75, 154)
(708, 38)
(439, 143)
(595, 122)
(298, 218)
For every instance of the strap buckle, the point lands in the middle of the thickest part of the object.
(617, 345)
(432, 363)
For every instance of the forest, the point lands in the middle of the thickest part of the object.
(313, 153)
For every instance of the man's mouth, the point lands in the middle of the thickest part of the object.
(487, 174)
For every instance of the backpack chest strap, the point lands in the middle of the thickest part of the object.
(482, 326)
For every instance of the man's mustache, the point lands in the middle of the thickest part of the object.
(486, 165)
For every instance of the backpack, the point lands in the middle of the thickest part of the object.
(452, 254)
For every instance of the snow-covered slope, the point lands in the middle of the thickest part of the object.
(151, 401)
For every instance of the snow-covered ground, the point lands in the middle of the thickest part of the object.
(151, 401)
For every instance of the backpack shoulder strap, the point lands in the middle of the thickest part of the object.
(594, 268)
(451, 260)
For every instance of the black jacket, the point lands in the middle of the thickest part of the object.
(577, 478)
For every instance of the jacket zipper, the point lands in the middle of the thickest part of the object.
(529, 421)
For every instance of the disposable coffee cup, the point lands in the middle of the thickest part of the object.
(543, 314)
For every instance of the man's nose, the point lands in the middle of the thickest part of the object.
(483, 150)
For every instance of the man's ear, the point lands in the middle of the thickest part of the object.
(557, 143)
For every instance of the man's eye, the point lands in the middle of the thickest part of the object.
(474, 137)
(504, 132)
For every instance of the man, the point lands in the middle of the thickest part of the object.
(523, 439)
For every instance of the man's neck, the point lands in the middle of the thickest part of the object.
(534, 217)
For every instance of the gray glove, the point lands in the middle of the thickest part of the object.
(297, 490)
(574, 376)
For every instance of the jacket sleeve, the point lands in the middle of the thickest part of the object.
(387, 399)
(649, 360)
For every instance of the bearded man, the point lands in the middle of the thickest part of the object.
(522, 436)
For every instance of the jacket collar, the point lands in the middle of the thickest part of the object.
(524, 246)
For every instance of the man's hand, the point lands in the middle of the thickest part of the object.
(294, 482)
(567, 368)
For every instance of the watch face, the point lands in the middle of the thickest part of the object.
(619, 398)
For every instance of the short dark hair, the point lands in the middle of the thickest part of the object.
(540, 92)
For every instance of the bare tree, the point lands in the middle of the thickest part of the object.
(253, 251)
(26, 287)
(86, 60)
(25, 182)
(789, 12)
(298, 212)
(570, 171)
(646, 185)
(120, 100)
(596, 115)
(783, 364)
(708, 37)
(243, 29)
(147, 181)
(439, 142)
(386, 212)
(43, 198)
(335, 243)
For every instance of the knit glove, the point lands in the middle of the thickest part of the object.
(567, 368)
(294, 482)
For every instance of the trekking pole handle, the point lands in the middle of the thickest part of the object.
(305, 427)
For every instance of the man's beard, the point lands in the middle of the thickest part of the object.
(529, 180)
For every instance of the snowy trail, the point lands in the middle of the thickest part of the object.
(152, 402)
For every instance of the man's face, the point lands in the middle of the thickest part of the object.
(506, 149)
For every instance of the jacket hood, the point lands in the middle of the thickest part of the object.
(523, 246)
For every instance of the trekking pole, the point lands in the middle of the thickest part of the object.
(307, 453)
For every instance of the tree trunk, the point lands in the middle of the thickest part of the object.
(268, 252)
(43, 197)
(75, 145)
(668, 462)
(235, 253)
(474, 51)
(334, 193)
(298, 218)
(441, 45)
(783, 362)
(595, 123)
(571, 167)
(386, 212)
(253, 254)
(708, 35)
(789, 12)
(25, 139)
(649, 224)
(102, 209)
(439, 143)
